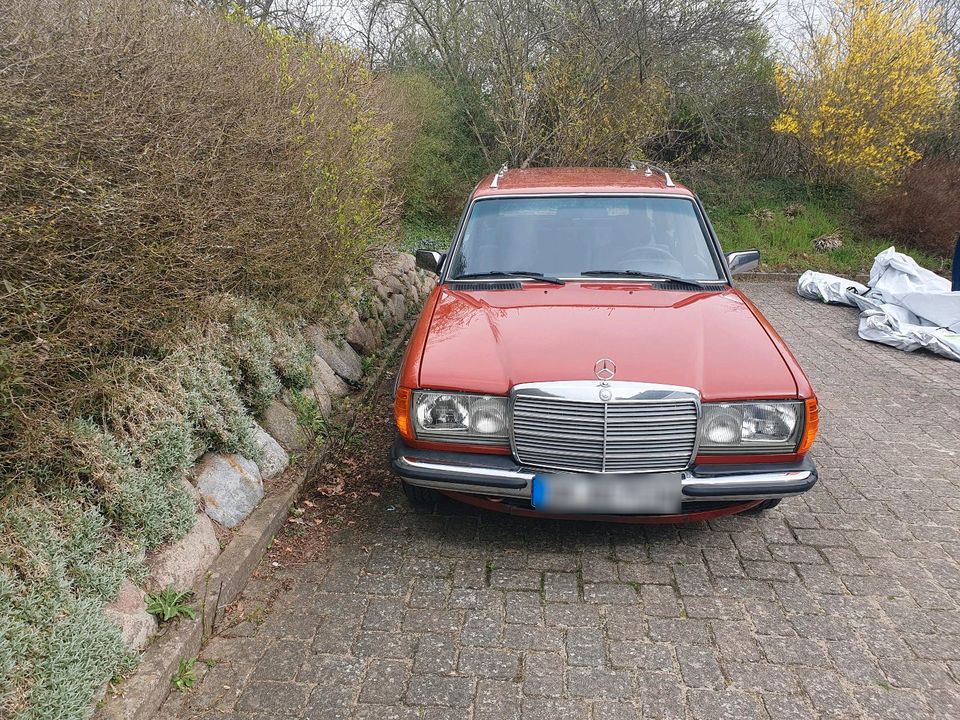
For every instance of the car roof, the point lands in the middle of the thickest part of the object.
(575, 181)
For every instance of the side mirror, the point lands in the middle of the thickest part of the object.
(429, 260)
(743, 261)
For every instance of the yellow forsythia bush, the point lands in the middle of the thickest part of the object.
(866, 88)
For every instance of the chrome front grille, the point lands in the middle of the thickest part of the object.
(641, 429)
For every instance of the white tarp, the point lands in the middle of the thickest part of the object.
(828, 288)
(905, 305)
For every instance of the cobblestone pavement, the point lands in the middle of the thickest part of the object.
(839, 604)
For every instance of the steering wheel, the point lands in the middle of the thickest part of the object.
(647, 252)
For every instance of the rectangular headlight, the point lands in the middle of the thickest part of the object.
(751, 427)
(462, 418)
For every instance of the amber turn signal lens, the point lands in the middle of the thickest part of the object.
(810, 428)
(401, 413)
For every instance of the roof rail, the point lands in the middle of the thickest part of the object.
(649, 170)
(495, 183)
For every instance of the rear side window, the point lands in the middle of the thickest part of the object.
(566, 236)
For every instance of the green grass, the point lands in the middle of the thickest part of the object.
(740, 217)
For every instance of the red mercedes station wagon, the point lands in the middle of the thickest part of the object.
(586, 354)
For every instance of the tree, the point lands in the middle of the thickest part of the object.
(863, 90)
(587, 81)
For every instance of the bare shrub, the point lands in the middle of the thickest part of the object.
(149, 156)
(921, 211)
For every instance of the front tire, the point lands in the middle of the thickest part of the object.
(765, 505)
(420, 497)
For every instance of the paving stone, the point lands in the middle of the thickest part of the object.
(330, 704)
(599, 683)
(375, 644)
(539, 709)
(385, 682)
(615, 710)
(523, 607)
(526, 637)
(489, 663)
(586, 646)
(440, 690)
(543, 674)
(560, 587)
(699, 667)
(645, 656)
(327, 671)
(482, 627)
(282, 659)
(580, 615)
(497, 700)
(385, 712)
(436, 654)
(661, 695)
(273, 698)
(794, 651)
(625, 623)
(609, 593)
(787, 707)
(431, 621)
(515, 579)
(430, 593)
(712, 705)
(761, 677)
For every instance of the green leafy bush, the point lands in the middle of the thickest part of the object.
(441, 158)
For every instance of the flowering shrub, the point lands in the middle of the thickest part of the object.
(866, 88)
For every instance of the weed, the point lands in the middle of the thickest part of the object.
(186, 675)
(169, 604)
(309, 415)
(295, 530)
(367, 364)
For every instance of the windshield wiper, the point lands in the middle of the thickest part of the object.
(644, 275)
(530, 275)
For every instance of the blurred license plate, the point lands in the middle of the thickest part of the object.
(642, 494)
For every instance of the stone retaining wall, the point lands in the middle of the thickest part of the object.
(227, 488)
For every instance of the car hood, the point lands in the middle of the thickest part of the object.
(488, 341)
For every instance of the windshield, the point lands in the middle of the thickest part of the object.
(569, 237)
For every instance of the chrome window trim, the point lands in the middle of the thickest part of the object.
(583, 391)
(713, 243)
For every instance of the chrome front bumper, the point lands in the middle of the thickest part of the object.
(501, 476)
